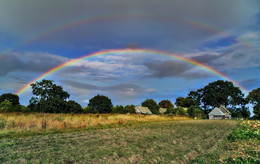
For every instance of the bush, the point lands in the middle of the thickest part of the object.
(88, 110)
(6, 106)
(194, 111)
(180, 111)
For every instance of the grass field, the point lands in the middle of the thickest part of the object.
(183, 141)
(22, 124)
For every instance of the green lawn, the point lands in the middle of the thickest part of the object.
(160, 142)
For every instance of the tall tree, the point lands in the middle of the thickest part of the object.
(254, 98)
(49, 97)
(166, 104)
(185, 102)
(100, 104)
(217, 93)
(151, 105)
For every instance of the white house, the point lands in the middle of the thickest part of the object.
(220, 113)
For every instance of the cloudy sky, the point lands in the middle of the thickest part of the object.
(37, 35)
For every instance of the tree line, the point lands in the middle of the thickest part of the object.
(51, 98)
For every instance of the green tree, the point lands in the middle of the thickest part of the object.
(100, 104)
(50, 98)
(194, 111)
(130, 109)
(166, 104)
(185, 102)
(179, 111)
(254, 98)
(14, 99)
(217, 93)
(151, 105)
(6, 106)
(73, 107)
(119, 109)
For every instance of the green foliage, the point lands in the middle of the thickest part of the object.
(130, 109)
(119, 109)
(179, 111)
(73, 107)
(14, 99)
(50, 98)
(218, 93)
(194, 111)
(166, 104)
(88, 110)
(6, 106)
(246, 131)
(100, 104)
(185, 102)
(254, 98)
(151, 105)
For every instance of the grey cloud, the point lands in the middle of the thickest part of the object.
(31, 62)
(124, 87)
(171, 68)
(164, 20)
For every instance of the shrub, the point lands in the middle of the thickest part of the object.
(180, 111)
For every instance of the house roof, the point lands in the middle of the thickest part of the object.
(143, 110)
(220, 111)
(162, 110)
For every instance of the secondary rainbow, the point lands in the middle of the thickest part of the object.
(111, 51)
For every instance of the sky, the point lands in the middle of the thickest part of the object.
(36, 36)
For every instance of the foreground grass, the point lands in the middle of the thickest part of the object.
(241, 146)
(30, 124)
(159, 142)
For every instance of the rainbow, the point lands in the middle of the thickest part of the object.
(100, 18)
(106, 52)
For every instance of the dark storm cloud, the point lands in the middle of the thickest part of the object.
(31, 62)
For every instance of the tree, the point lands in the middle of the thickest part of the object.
(254, 98)
(130, 109)
(194, 111)
(179, 111)
(14, 99)
(185, 102)
(119, 109)
(6, 106)
(100, 104)
(50, 97)
(73, 107)
(166, 104)
(151, 105)
(217, 93)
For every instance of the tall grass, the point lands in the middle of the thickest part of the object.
(43, 121)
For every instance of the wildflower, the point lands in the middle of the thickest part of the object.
(254, 126)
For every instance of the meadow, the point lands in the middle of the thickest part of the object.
(176, 141)
(24, 124)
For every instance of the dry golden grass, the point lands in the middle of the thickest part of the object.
(43, 121)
